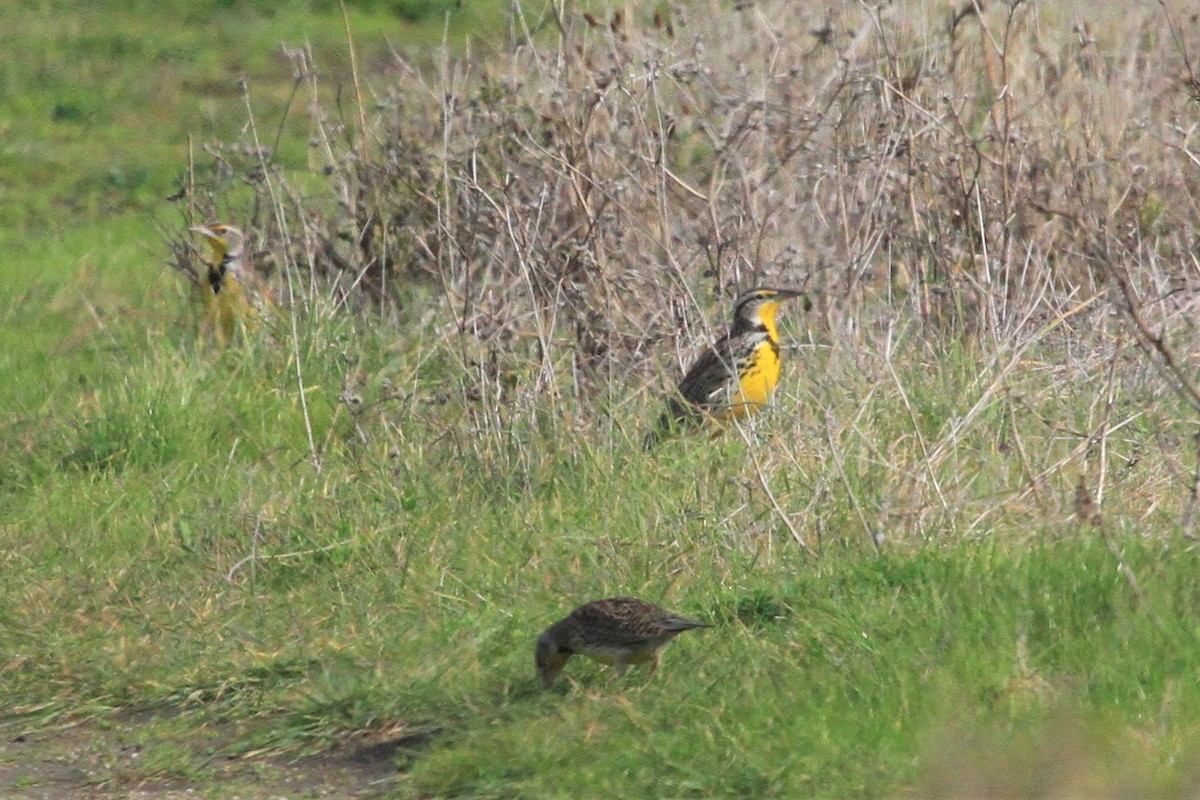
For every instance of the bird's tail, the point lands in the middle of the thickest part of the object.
(657, 434)
(672, 420)
(683, 624)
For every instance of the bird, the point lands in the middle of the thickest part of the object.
(618, 631)
(737, 375)
(227, 297)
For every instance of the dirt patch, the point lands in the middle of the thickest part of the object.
(106, 760)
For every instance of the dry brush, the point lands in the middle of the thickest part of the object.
(994, 206)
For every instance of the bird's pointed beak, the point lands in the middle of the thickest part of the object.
(203, 231)
(788, 294)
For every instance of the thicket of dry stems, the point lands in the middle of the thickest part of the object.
(1012, 185)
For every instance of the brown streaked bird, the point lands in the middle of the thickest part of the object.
(737, 375)
(618, 631)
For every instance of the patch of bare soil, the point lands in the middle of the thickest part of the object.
(100, 761)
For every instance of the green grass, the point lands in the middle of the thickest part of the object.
(98, 111)
(215, 553)
(172, 546)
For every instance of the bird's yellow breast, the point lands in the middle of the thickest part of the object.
(756, 382)
(227, 307)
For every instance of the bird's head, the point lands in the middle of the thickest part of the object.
(551, 656)
(225, 241)
(759, 306)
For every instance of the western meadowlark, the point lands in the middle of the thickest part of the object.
(737, 375)
(226, 295)
(618, 631)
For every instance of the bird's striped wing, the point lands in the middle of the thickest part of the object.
(715, 373)
(613, 626)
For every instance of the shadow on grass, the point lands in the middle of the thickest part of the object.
(165, 752)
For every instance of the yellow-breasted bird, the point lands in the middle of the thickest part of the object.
(618, 631)
(227, 300)
(737, 375)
